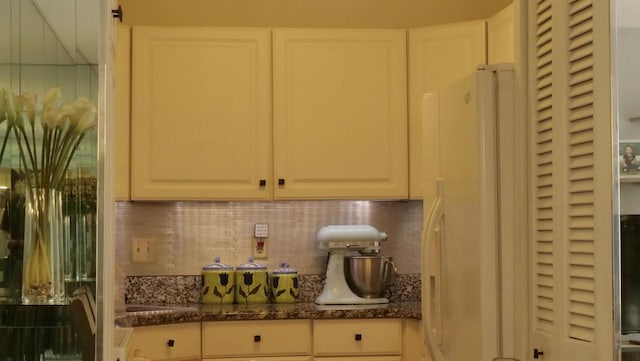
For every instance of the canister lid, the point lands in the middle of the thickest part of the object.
(251, 265)
(284, 269)
(217, 266)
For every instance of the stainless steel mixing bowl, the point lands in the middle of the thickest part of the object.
(369, 276)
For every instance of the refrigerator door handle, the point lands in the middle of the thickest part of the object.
(429, 231)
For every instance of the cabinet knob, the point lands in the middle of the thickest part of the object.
(257, 338)
(117, 13)
(537, 353)
(280, 181)
(263, 182)
(358, 337)
(170, 343)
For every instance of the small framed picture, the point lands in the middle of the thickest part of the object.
(629, 152)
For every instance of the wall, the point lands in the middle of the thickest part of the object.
(188, 235)
(307, 13)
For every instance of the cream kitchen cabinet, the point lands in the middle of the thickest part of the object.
(349, 338)
(166, 342)
(281, 340)
(238, 340)
(438, 57)
(360, 358)
(279, 358)
(122, 70)
(413, 340)
(202, 122)
(201, 114)
(340, 114)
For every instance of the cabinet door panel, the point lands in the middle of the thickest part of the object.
(438, 57)
(154, 342)
(357, 337)
(281, 358)
(340, 113)
(123, 113)
(256, 338)
(366, 358)
(201, 118)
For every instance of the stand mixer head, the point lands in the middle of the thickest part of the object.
(338, 240)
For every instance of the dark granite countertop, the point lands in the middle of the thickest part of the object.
(145, 315)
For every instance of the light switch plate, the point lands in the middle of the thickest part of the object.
(261, 230)
(142, 250)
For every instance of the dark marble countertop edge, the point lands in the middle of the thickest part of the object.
(168, 314)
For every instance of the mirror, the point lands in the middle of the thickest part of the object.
(47, 44)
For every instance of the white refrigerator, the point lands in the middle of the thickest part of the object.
(465, 309)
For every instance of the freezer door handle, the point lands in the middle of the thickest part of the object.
(428, 235)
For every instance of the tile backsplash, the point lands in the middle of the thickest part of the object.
(187, 235)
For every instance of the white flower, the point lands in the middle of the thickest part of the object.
(11, 106)
(80, 107)
(87, 120)
(55, 117)
(3, 104)
(29, 100)
(51, 97)
(46, 157)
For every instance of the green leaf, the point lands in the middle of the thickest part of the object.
(292, 293)
(230, 290)
(280, 293)
(242, 293)
(205, 290)
(255, 290)
(216, 292)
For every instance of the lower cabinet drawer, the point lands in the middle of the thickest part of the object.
(357, 337)
(256, 338)
(356, 358)
(167, 342)
(281, 358)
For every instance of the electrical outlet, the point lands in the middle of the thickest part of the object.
(142, 250)
(259, 247)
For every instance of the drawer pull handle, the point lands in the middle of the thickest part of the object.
(358, 337)
(280, 181)
(263, 182)
(257, 338)
(170, 343)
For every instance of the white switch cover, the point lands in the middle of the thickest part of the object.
(142, 250)
(261, 230)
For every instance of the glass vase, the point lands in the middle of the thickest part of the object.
(43, 260)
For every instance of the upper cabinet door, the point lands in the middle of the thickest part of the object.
(340, 114)
(438, 57)
(201, 114)
(122, 73)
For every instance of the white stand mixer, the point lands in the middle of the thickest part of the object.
(338, 240)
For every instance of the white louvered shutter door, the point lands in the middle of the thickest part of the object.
(542, 251)
(572, 287)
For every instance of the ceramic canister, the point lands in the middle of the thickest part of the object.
(218, 283)
(284, 284)
(251, 283)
